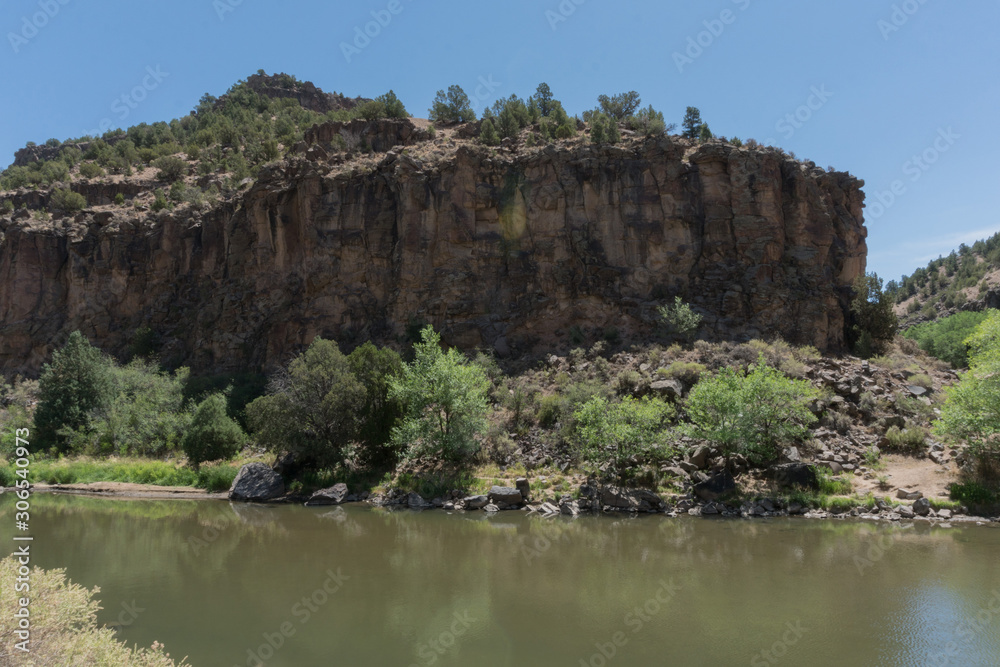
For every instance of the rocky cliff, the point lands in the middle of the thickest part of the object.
(507, 249)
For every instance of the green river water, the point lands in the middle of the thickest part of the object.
(228, 584)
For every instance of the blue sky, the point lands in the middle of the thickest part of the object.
(888, 80)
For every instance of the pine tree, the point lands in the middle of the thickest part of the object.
(692, 123)
(488, 134)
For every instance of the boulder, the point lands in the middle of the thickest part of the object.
(491, 508)
(505, 495)
(670, 389)
(416, 502)
(922, 507)
(917, 391)
(944, 514)
(524, 487)
(630, 499)
(715, 486)
(699, 457)
(795, 474)
(569, 507)
(475, 502)
(548, 508)
(256, 482)
(903, 494)
(334, 495)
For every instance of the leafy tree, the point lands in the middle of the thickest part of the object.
(452, 107)
(680, 319)
(543, 98)
(77, 384)
(67, 200)
(972, 408)
(945, 338)
(376, 369)
(872, 324)
(312, 408)
(751, 414)
(144, 416)
(488, 134)
(91, 170)
(445, 398)
(692, 123)
(614, 433)
(393, 107)
(621, 106)
(213, 434)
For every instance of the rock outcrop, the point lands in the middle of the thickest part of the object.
(507, 250)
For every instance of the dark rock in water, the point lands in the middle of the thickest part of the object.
(715, 486)
(795, 474)
(630, 499)
(334, 495)
(505, 495)
(256, 483)
(416, 502)
(523, 487)
(475, 502)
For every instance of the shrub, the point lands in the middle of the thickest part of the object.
(688, 372)
(680, 319)
(445, 399)
(907, 440)
(67, 200)
(213, 434)
(64, 624)
(120, 199)
(91, 170)
(621, 106)
(945, 338)
(76, 384)
(750, 414)
(144, 416)
(159, 201)
(648, 122)
(311, 408)
(171, 168)
(613, 433)
(452, 107)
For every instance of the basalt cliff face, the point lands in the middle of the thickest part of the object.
(506, 249)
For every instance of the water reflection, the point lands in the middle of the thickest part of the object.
(426, 588)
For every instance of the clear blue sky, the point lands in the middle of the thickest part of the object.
(890, 90)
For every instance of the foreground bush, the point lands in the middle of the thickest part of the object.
(445, 399)
(613, 433)
(64, 628)
(972, 408)
(750, 414)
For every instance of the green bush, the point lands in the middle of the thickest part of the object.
(119, 199)
(488, 134)
(78, 383)
(945, 338)
(648, 122)
(212, 435)
(171, 168)
(621, 106)
(445, 399)
(68, 201)
(311, 408)
(750, 414)
(91, 170)
(613, 433)
(680, 319)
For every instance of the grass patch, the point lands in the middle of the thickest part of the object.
(214, 477)
(942, 504)
(909, 440)
(833, 486)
